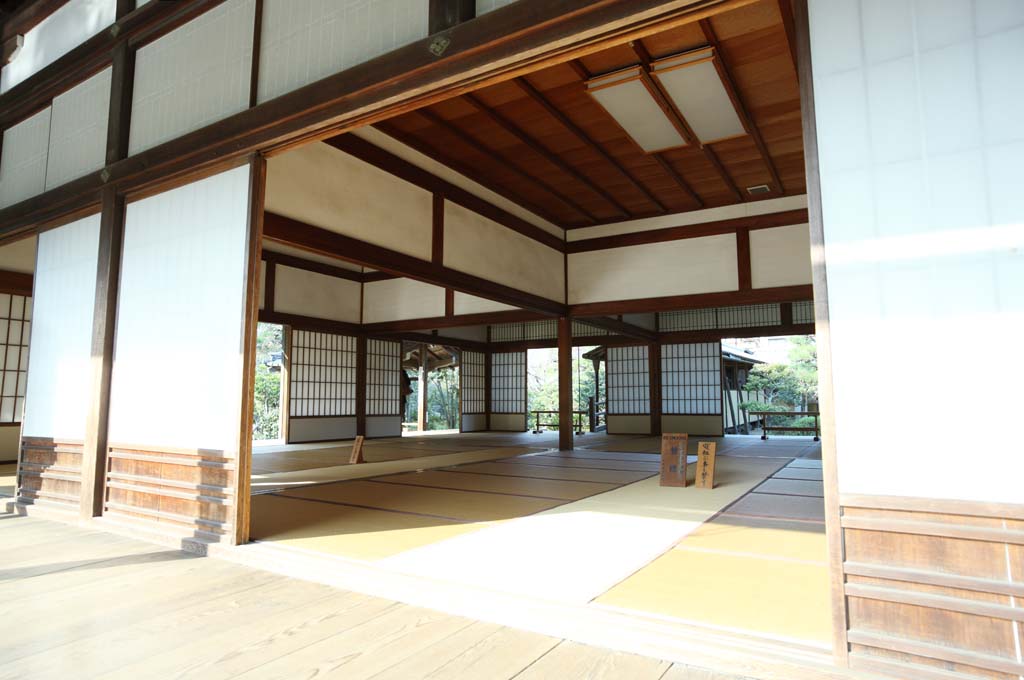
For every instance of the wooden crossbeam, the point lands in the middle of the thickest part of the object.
(620, 327)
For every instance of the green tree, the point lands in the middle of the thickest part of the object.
(267, 388)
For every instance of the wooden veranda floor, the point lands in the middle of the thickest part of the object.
(82, 603)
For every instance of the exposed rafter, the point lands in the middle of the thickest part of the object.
(507, 162)
(737, 102)
(514, 130)
(557, 114)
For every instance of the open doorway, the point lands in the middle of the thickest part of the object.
(431, 388)
(268, 417)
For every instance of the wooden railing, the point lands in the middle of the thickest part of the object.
(577, 417)
(767, 427)
(598, 412)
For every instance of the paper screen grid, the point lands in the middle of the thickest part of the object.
(383, 378)
(691, 377)
(508, 382)
(628, 381)
(15, 323)
(322, 374)
(472, 371)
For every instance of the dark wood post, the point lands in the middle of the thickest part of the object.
(361, 385)
(654, 367)
(421, 416)
(565, 410)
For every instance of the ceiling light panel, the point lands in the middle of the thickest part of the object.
(626, 99)
(692, 82)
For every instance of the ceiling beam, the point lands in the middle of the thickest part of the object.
(672, 303)
(287, 231)
(511, 128)
(619, 327)
(456, 321)
(679, 120)
(789, 25)
(535, 94)
(737, 101)
(403, 169)
(507, 162)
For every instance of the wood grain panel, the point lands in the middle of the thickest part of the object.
(50, 472)
(189, 493)
(932, 588)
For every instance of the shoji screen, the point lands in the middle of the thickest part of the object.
(59, 368)
(322, 387)
(383, 388)
(629, 392)
(508, 391)
(15, 323)
(691, 388)
(474, 415)
(193, 76)
(78, 130)
(177, 380)
(23, 158)
(306, 40)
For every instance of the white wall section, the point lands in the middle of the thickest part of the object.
(471, 304)
(780, 256)
(59, 370)
(56, 35)
(19, 256)
(328, 188)
(177, 358)
(306, 293)
(23, 159)
(920, 140)
(193, 76)
(690, 266)
(398, 299)
(306, 40)
(476, 245)
(78, 130)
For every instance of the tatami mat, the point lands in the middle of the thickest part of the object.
(805, 508)
(541, 488)
(448, 503)
(810, 474)
(792, 487)
(520, 468)
(346, 531)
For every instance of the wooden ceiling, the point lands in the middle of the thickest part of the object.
(544, 143)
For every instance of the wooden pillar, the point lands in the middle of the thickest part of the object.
(443, 14)
(108, 271)
(361, 385)
(654, 368)
(421, 415)
(565, 415)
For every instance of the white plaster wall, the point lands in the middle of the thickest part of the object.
(180, 315)
(475, 245)
(920, 145)
(695, 265)
(383, 426)
(780, 256)
(193, 76)
(397, 299)
(306, 40)
(328, 188)
(56, 35)
(19, 256)
(321, 429)
(306, 293)
(78, 130)
(23, 158)
(59, 369)
(471, 304)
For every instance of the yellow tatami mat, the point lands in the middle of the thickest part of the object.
(448, 503)
(768, 577)
(521, 468)
(353, 533)
(576, 551)
(522, 486)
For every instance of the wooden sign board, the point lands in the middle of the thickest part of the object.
(705, 477)
(357, 451)
(673, 459)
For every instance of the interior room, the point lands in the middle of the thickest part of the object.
(670, 169)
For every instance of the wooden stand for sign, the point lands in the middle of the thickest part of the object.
(705, 477)
(673, 459)
(357, 451)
